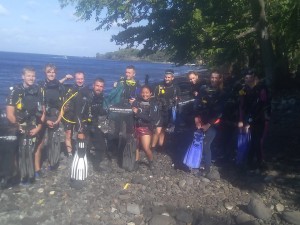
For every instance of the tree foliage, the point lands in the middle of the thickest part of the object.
(214, 31)
(134, 54)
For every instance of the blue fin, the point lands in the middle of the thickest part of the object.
(193, 155)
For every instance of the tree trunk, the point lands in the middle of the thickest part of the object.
(267, 54)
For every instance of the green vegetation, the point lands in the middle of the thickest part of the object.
(263, 34)
(134, 54)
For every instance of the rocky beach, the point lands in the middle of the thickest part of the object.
(167, 196)
(171, 195)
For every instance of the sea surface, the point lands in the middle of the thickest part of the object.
(11, 65)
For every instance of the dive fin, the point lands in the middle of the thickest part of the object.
(243, 144)
(26, 156)
(129, 154)
(79, 168)
(193, 155)
(54, 147)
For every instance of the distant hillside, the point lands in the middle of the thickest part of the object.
(134, 54)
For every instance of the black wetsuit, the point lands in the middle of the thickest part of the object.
(254, 110)
(96, 115)
(79, 108)
(148, 113)
(71, 107)
(131, 89)
(28, 103)
(167, 96)
(209, 109)
(54, 93)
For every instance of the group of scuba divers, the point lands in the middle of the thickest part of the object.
(132, 117)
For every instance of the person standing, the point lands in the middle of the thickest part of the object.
(54, 93)
(67, 111)
(167, 95)
(208, 113)
(97, 113)
(146, 114)
(121, 97)
(254, 112)
(78, 111)
(25, 109)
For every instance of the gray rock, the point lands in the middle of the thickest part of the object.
(258, 209)
(133, 208)
(242, 218)
(182, 183)
(205, 180)
(279, 207)
(229, 205)
(4, 197)
(292, 217)
(162, 220)
(213, 175)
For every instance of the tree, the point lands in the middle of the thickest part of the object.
(246, 32)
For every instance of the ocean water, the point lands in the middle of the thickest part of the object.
(11, 65)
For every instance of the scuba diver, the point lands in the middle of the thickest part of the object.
(254, 115)
(51, 133)
(146, 116)
(25, 109)
(121, 97)
(75, 111)
(208, 113)
(67, 111)
(97, 114)
(167, 94)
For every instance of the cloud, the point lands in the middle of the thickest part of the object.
(3, 11)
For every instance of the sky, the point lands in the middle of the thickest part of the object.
(40, 26)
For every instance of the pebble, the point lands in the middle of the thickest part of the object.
(228, 205)
(279, 207)
(182, 183)
(133, 208)
(258, 209)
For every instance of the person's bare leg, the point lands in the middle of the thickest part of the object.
(155, 136)
(161, 139)
(68, 141)
(38, 156)
(145, 141)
